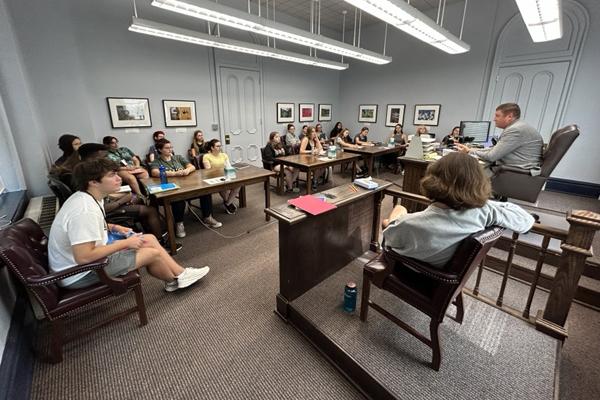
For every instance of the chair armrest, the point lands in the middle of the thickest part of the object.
(508, 168)
(117, 285)
(378, 269)
(54, 277)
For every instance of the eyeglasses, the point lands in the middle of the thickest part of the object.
(167, 147)
(114, 142)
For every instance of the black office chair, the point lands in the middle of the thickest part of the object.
(518, 183)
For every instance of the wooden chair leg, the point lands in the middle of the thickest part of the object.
(434, 327)
(460, 310)
(56, 343)
(364, 300)
(141, 305)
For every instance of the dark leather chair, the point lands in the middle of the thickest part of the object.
(197, 161)
(517, 183)
(24, 251)
(428, 289)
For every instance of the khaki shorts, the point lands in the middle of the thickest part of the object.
(119, 263)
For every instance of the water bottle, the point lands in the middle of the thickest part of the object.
(350, 297)
(331, 151)
(391, 143)
(163, 175)
(229, 171)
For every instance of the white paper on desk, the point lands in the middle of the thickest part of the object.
(214, 181)
(125, 189)
(323, 158)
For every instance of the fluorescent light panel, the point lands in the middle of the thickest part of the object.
(543, 18)
(217, 13)
(403, 16)
(185, 35)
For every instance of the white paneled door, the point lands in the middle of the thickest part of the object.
(239, 91)
(537, 88)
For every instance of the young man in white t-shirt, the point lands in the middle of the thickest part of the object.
(79, 235)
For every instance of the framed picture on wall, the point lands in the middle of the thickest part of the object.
(180, 112)
(129, 112)
(427, 114)
(306, 112)
(285, 112)
(324, 112)
(367, 113)
(394, 114)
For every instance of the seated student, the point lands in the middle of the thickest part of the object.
(452, 138)
(130, 169)
(198, 145)
(460, 192)
(320, 134)
(400, 139)
(337, 129)
(311, 145)
(274, 149)
(292, 143)
(302, 133)
(218, 160)
(343, 140)
(79, 235)
(422, 130)
(361, 139)
(152, 152)
(176, 165)
(122, 204)
(68, 144)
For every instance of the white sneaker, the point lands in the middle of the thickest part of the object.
(211, 222)
(190, 276)
(179, 230)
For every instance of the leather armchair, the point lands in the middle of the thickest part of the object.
(427, 288)
(518, 183)
(24, 251)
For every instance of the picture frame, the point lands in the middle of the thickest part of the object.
(394, 114)
(325, 112)
(427, 114)
(285, 112)
(129, 112)
(367, 113)
(180, 113)
(306, 112)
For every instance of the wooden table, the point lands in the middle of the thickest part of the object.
(369, 153)
(312, 248)
(309, 163)
(193, 186)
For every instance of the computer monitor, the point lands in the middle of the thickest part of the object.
(478, 130)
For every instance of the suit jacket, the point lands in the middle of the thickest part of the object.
(520, 145)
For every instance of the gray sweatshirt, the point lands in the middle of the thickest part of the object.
(520, 145)
(432, 235)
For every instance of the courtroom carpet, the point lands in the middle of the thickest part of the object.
(220, 339)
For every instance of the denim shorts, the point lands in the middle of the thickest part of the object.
(119, 263)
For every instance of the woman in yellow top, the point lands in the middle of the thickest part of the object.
(217, 160)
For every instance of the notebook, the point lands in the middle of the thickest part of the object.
(161, 187)
(311, 204)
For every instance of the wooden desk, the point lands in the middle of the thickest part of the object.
(193, 186)
(414, 170)
(309, 163)
(369, 153)
(312, 248)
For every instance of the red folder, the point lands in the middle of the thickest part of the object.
(311, 204)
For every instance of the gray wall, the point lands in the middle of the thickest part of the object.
(421, 74)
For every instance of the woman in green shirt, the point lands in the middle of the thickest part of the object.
(130, 169)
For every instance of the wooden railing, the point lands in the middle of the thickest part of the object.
(576, 245)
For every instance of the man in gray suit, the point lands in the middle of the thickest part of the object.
(520, 144)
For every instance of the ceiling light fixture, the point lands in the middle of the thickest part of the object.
(543, 18)
(185, 35)
(412, 21)
(217, 13)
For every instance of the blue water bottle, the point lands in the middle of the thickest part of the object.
(350, 297)
(163, 175)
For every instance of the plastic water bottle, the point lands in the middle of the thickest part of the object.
(331, 151)
(350, 297)
(163, 175)
(392, 142)
(229, 171)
